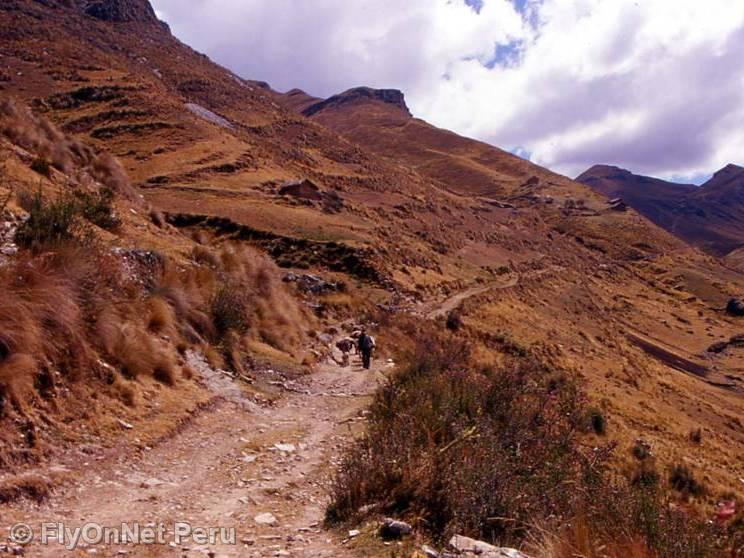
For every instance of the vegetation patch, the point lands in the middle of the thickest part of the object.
(497, 454)
(63, 220)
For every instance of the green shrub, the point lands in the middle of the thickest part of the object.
(646, 474)
(454, 320)
(468, 450)
(494, 453)
(596, 421)
(64, 219)
(683, 480)
(48, 223)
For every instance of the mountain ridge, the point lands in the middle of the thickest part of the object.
(707, 216)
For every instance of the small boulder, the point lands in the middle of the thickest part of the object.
(735, 307)
(394, 529)
(265, 519)
(124, 424)
(152, 483)
(303, 189)
(285, 448)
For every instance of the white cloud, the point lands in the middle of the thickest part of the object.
(653, 85)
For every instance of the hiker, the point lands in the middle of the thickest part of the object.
(366, 344)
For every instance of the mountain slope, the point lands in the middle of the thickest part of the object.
(404, 212)
(624, 319)
(710, 217)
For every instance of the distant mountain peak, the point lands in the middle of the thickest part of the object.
(389, 96)
(294, 92)
(600, 167)
(598, 172)
(732, 166)
(729, 170)
(727, 183)
(709, 216)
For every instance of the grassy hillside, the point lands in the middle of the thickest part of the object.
(159, 200)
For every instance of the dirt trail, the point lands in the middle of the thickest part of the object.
(444, 308)
(224, 469)
(439, 309)
(236, 465)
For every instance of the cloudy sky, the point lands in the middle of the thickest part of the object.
(656, 86)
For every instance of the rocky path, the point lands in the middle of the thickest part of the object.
(260, 471)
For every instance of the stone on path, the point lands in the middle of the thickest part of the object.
(468, 547)
(152, 483)
(265, 519)
(287, 448)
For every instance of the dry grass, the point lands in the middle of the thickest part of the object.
(620, 521)
(205, 256)
(437, 423)
(136, 352)
(492, 452)
(70, 315)
(34, 487)
(162, 317)
(85, 331)
(62, 313)
(40, 314)
(17, 376)
(65, 153)
(38, 135)
(108, 171)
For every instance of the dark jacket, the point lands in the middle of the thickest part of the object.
(366, 343)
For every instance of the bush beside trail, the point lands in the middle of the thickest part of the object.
(497, 453)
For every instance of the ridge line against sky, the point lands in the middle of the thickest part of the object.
(654, 86)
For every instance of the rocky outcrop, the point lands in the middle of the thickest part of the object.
(309, 283)
(307, 192)
(121, 11)
(726, 184)
(298, 101)
(733, 342)
(388, 96)
(393, 529)
(302, 189)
